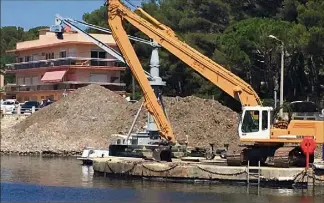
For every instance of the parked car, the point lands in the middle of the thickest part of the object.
(9, 105)
(27, 106)
(45, 102)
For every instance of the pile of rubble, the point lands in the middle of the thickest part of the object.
(84, 118)
(204, 121)
(91, 114)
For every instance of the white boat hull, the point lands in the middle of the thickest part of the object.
(88, 154)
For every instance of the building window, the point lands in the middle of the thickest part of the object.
(35, 80)
(62, 54)
(20, 59)
(98, 55)
(35, 57)
(28, 80)
(27, 58)
(20, 81)
(113, 79)
(50, 55)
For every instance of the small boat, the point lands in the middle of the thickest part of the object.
(89, 153)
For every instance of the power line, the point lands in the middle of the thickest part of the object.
(131, 4)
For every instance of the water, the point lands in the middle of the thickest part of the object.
(36, 179)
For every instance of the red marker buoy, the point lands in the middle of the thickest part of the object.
(308, 146)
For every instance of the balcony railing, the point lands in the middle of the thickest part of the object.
(68, 61)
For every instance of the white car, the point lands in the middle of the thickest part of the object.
(9, 105)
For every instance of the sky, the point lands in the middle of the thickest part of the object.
(33, 13)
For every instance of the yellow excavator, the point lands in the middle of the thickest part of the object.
(274, 142)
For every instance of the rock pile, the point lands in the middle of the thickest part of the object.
(204, 121)
(91, 114)
(84, 118)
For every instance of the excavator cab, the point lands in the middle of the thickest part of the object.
(255, 123)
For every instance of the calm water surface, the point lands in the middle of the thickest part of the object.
(40, 179)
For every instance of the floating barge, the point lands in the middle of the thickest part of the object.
(194, 170)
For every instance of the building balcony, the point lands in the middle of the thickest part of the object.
(67, 62)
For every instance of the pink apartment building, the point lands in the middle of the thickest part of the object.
(51, 68)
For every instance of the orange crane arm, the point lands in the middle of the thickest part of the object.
(151, 102)
(218, 75)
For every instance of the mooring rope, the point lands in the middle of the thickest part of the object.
(303, 172)
(223, 174)
(159, 171)
(122, 172)
(315, 178)
(295, 178)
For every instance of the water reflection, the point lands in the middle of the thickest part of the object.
(87, 176)
(69, 172)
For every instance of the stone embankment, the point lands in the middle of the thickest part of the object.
(90, 115)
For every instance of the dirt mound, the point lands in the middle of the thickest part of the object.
(204, 121)
(84, 118)
(91, 114)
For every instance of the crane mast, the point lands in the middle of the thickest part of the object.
(144, 78)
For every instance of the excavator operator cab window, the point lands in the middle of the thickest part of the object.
(264, 120)
(250, 121)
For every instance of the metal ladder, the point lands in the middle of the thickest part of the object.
(252, 172)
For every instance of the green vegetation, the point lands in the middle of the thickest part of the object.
(234, 33)
(9, 36)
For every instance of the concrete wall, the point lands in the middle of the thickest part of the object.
(39, 95)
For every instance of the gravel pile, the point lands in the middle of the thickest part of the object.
(204, 121)
(90, 115)
(84, 118)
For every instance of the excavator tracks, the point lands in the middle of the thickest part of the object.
(235, 157)
(283, 157)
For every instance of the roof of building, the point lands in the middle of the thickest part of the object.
(49, 39)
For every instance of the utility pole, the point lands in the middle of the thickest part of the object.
(276, 88)
(133, 87)
(282, 78)
(281, 73)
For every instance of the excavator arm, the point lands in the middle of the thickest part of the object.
(218, 75)
(125, 46)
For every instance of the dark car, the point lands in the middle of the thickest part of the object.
(27, 107)
(45, 103)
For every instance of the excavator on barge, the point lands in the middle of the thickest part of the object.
(276, 143)
(266, 140)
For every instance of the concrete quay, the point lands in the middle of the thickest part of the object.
(186, 171)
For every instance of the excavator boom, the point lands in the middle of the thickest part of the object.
(218, 75)
(151, 102)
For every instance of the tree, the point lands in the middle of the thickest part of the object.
(10, 35)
